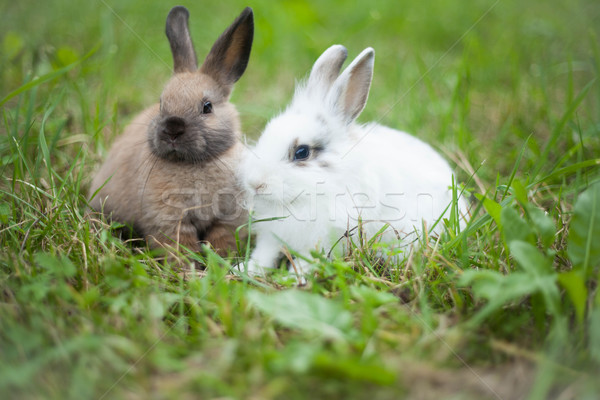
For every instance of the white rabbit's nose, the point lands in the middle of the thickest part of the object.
(255, 185)
(258, 178)
(259, 186)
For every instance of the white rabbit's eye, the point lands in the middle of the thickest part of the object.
(207, 107)
(301, 152)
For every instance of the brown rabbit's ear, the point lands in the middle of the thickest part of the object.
(184, 56)
(229, 56)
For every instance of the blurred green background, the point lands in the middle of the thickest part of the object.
(503, 88)
(473, 76)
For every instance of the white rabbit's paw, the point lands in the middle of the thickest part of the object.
(253, 268)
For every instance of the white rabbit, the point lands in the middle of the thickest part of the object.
(322, 173)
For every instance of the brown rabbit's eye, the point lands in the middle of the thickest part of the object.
(207, 107)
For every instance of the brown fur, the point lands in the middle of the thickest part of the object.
(174, 182)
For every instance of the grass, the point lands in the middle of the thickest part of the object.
(508, 308)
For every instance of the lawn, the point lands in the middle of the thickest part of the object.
(507, 308)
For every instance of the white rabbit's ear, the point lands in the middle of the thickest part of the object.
(184, 56)
(326, 69)
(350, 90)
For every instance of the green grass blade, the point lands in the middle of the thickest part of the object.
(559, 127)
(47, 77)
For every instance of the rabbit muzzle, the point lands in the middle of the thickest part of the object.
(174, 127)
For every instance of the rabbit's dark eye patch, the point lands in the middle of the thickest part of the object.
(301, 152)
(207, 107)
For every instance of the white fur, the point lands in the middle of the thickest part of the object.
(378, 174)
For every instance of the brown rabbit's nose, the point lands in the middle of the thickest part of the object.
(174, 127)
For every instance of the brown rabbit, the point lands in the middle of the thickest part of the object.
(171, 175)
